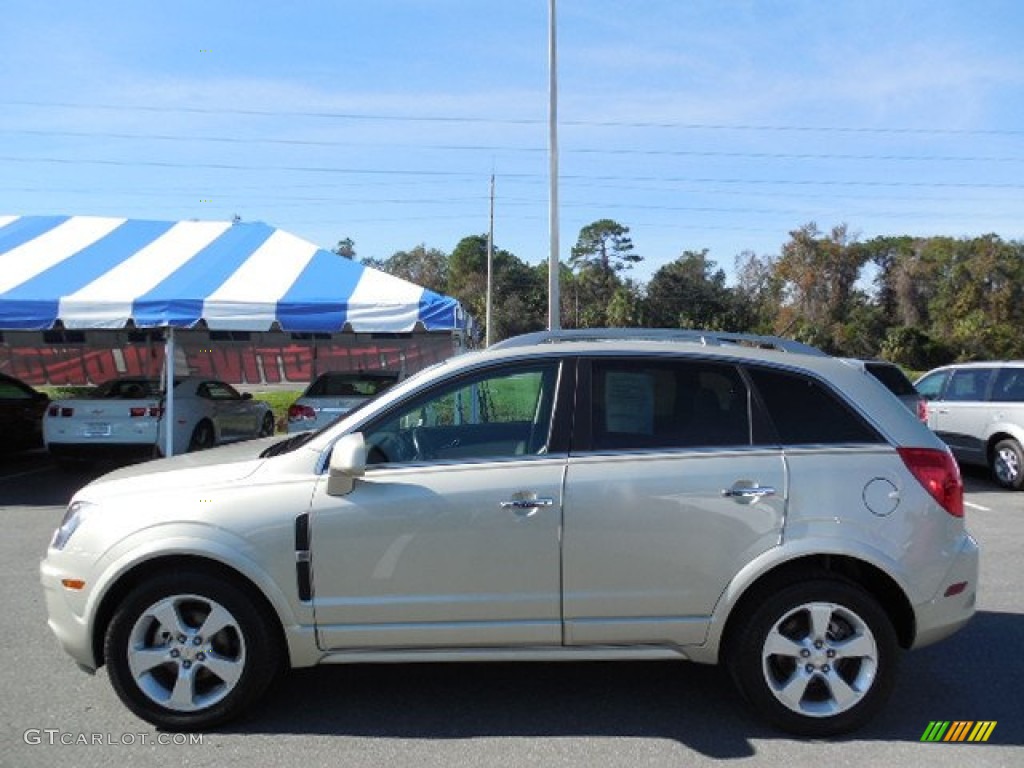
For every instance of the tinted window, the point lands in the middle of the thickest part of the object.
(1009, 386)
(805, 411)
(892, 377)
(968, 384)
(667, 404)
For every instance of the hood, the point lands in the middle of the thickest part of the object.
(217, 466)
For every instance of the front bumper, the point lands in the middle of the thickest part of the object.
(944, 614)
(65, 616)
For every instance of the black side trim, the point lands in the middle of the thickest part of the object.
(303, 574)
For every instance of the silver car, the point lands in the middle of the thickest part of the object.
(331, 395)
(778, 512)
(978, 409)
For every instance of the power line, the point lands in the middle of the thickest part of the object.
(472, 175)
(234, 140)
(461, 119)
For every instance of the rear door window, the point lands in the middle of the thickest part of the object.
(644, 404)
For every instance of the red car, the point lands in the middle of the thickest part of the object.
(21, 415)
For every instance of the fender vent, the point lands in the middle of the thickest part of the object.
(303, 575)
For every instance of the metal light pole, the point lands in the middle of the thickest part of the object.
(554, 322)
(488, 317)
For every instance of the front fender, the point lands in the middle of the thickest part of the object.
(271, 577)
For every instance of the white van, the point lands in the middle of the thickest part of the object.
(978, 410)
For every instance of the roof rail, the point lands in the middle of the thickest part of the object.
(705, 338)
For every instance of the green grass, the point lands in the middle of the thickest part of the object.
(279, 400)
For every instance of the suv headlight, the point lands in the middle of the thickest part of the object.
(76, 512)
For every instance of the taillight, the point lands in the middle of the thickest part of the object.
(922, 410)
(137, 412)
(299, 412)
(938, 473)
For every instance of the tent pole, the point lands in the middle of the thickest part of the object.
(169, 389)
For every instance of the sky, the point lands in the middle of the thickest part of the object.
(721, 124)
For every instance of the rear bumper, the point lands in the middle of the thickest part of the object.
(946, 613)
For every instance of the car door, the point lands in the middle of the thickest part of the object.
(231, 411)
(666, 499)
(962, 415)
(452, 536)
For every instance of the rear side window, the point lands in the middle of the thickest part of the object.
(637, 404)
(1009, 386)
(892, 377)
(805, 412)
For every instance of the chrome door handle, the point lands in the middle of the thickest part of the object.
(748, 492)
(527, 503)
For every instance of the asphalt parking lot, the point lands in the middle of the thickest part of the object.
(579, 714)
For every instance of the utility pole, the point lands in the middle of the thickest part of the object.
(554, 322)
(488, 316)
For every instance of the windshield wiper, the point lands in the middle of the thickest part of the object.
(287, 445)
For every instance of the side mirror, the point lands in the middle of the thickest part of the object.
(247, 395)
(348, 461)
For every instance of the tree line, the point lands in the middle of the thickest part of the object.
(918, 301)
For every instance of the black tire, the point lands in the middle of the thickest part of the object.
(1008, 464)
(203, 436)
(267, 426)
(834, 660)
(226, 673)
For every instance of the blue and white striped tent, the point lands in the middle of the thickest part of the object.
(93, 273)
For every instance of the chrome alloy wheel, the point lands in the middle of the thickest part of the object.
(1006, 465)
(820, 659)
(186, 652)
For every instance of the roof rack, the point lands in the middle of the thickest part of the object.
(705, 338)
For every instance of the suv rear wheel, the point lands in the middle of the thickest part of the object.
(816, 658)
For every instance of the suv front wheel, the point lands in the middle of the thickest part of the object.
(190, 651)
(816, 658)
(1008, 464)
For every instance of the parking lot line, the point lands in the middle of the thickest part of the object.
(977, 507)
(35, 471)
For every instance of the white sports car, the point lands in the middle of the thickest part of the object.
(125, 417)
